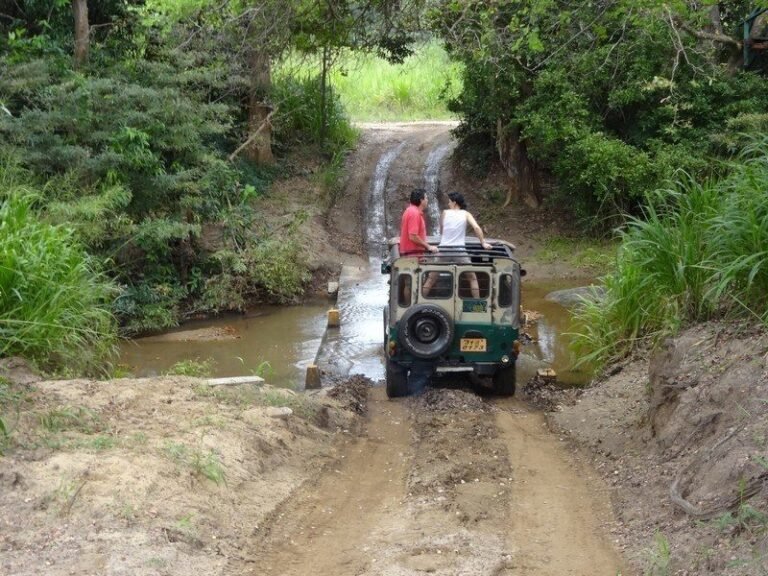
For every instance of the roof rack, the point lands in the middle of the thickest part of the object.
(472, 248)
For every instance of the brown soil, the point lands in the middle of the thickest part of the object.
(171, 476)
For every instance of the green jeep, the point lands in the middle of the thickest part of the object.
(454, 311)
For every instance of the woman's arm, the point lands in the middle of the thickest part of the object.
(478, 231)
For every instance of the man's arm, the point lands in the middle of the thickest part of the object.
(416, 239)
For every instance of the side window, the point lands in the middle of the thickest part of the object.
(437, 285)
(474, 285)
(404, 290)
(506, 297)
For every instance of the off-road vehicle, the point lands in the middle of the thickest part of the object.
(454, 311)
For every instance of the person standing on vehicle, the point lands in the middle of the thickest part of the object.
(453, 236)
(413, 228)
(454, 221)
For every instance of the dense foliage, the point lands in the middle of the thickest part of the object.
(699, 249)
(611, 97)
(136, 151)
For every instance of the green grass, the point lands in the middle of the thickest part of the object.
(371, 89)
(700, 250)
(596, 256)
(201, 463)
(54, 301)
(196, 368)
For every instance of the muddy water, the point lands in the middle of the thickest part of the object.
(286, 337)
(289, 337)
(551, 333)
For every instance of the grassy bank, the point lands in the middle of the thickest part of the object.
(699, 251)
(54, 300)
(372, 89)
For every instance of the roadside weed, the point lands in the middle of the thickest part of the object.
(286, 399)
(196, 368)
(206, 464)
(69, 418)
(659, 557)
(697, 250)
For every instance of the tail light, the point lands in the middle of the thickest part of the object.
(516, 347)
(392, 348)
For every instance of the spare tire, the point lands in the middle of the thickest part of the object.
(426, 331)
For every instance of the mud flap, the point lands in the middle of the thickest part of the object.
(419, 377)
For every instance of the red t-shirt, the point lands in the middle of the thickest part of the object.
(412, 223)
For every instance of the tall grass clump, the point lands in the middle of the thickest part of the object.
(54, 302)
(299, 118)
(700, 249)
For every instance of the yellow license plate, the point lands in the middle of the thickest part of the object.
(472, 344)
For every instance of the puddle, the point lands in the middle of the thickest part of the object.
(550, 333)
(287, 337)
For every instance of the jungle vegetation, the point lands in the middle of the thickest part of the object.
(140, 136)
(650, 116)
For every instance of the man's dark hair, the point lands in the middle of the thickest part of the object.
(417, 195)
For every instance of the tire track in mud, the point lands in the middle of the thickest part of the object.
(327, 529)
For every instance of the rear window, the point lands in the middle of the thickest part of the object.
(437, 285)
(474, 285)
(404, 290)
(506, 296)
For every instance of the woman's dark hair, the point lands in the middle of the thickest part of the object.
(458, 197)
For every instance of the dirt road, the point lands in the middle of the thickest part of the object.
(451, 484)
(445, 483)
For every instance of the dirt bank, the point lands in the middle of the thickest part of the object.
(154, 476)
(682, 438)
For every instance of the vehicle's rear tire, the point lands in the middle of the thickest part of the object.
(504, 381)
(426, 331)
(397, 380)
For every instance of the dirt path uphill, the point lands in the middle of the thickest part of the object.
(448, 482)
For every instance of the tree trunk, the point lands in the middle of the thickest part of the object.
(260, 148)
(323, 103)
(521, 170)
(82, 32)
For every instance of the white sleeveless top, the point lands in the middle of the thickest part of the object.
(454, 228)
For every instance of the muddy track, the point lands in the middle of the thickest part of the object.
(446, 483)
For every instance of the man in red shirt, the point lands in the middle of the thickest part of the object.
(413, 229)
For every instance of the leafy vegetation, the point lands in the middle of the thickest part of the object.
(195, 368)
(612, 98)
(54, 299)
(140, 149)
(699, 249)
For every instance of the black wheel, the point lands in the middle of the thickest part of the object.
(504, 381)
(397, 380)
(426, 331)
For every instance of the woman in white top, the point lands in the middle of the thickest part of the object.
(453, 235)
(453, 223)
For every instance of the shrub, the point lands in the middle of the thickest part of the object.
(700, 248)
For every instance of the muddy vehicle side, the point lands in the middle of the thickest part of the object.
(452, 312)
